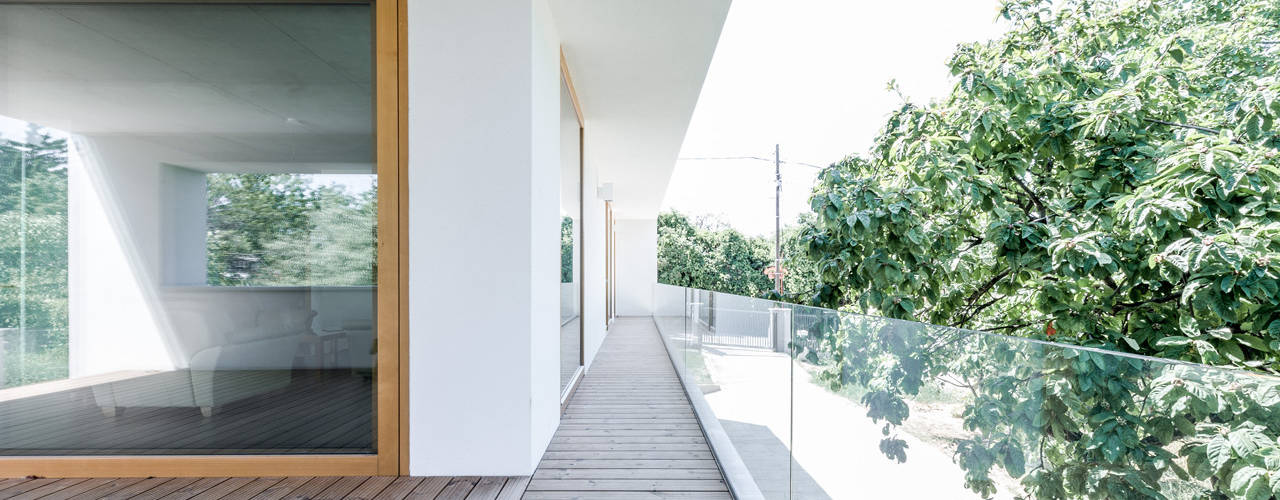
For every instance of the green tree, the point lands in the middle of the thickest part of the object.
(711, 256)
(33, 258)
(1104, 174)
(566, 249)
(281, 230)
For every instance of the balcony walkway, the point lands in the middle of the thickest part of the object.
(629, 430)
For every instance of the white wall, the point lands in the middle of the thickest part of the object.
(483, 236)
(544, 218)
(116, 320)
(637, 266)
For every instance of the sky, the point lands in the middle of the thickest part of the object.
(810, 76)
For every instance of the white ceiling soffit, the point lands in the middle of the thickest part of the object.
(638, 67)
(256, 83)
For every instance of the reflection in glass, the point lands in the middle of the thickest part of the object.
(980, 415)
(192, 202)
(570, 238)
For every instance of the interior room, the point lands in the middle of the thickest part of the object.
(195, 196)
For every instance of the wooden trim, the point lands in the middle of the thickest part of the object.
(390, 311)
(403, 113)
(391, 383)
(573, 92)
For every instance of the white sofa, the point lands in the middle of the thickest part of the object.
(232, 344)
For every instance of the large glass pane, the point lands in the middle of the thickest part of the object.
(979, 415)
(570, 238)
(188, 203)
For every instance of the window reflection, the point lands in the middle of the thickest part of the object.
(192, 196)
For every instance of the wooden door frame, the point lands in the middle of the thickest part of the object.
(391, 374)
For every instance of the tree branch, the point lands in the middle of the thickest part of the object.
(1206, 130)
(973, 242)
(1156, 300)
(1006, 327)
(1034, 199)
(982, 290)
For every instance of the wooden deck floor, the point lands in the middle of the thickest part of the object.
(629, 431)
(264, 488)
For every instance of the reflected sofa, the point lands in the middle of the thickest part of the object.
(231, 345)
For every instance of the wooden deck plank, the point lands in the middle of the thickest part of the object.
(77, 489)
(399, 489)
(165, 488)
(311, 488)
(105, 489)
(281, 488)
(627, 485)
(514, 488)
(667, 473)
(249, 490)
(25, 486)
(48, 489)
(135, 488)
(487, 488)
(627, 495)
(458, 488)
(340, 488)
(371, 488)
(225, 488)
(195, 488)
(627, 464)
(430, 488)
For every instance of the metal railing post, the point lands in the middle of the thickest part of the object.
(780, 329)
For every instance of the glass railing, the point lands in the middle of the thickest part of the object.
(815, 403)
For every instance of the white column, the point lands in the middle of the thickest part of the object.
(483, 236)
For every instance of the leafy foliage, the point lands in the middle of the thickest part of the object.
(566, 249)
(281, 229)
(708, 256)
(1105, 174)
(33, 258)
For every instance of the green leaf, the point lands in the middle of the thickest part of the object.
(1219, 451)
(1173, 340)
(1268, 394)
(1253, 342)
(1246, 440)
(1231, 350)
(1246, 480)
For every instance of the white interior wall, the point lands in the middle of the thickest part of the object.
(113, 247)
(637, 266)
(136, 251)
(484, 219)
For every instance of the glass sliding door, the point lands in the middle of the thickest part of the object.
(189, 199)
(570, 237)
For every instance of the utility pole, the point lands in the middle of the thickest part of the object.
(777, 219)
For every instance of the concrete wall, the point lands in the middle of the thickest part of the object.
(637, 266)
(483, 211)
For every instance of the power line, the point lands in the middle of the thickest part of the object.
(770, 160)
